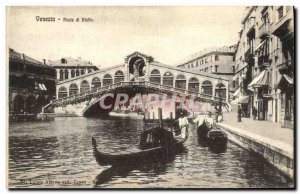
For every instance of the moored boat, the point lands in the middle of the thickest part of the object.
(154, 144)
(126, 114)
(203, 129)
(216, 138)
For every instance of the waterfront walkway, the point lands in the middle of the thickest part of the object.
(267, 129)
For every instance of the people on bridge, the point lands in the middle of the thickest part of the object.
(183, 123)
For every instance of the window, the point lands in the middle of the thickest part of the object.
(192, 65)
(216, 68)
(265, 18)
(216, 58)
(280, 12)
(233, 69)
(197, 64)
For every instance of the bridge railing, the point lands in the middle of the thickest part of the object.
(143, 83)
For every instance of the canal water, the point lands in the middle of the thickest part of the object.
(58, 153)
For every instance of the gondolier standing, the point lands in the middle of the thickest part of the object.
(183, 123)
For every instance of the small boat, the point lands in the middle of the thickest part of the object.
(203, 129)
(216, 138)
(155, 143)
(126, 114)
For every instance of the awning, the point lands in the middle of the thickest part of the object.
(42, 87)
(241, 100)
(259, 81)
(260, 45)
(237, 92)
(285, 79)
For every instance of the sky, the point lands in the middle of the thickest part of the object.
(169, 34)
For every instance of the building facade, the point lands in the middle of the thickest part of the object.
(31, 84)
(220, 61)
(67, 68)
(265, 63)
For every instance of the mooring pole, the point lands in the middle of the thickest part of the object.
(160, 116)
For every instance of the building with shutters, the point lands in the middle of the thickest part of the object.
(218, 61)
(67, 68)
(31, 84)
(265, 63)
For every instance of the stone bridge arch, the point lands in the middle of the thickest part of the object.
(152, 72)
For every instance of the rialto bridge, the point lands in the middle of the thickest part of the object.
(138, 74)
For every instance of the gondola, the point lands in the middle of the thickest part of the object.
(203, 129)
(210, 136)
(155, 143)
(216, 138)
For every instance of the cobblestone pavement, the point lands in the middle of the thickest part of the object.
(267, 129)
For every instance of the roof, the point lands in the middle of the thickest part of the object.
(225, 49)
(22, 57)
(188, 71)
(137, 53)
(71, 62)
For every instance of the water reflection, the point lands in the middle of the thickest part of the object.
(62, 150)
(157, 166)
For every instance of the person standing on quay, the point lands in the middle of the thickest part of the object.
(254, 113)
(239, 114)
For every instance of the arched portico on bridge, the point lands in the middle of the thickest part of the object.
(176, 79)
(107, 80)
(73, 89)
(96, 83)
(168, 79)
(193, 84)
(181, 80)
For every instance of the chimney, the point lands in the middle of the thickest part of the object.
(23, 57)
(44, 60)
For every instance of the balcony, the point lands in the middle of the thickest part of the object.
(285, 65)
(248, 53)
(263, 61)
(284, 25)
(249, 25)
(264, 31)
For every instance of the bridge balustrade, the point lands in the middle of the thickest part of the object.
(143, 83)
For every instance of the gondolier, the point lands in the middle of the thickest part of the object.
(183, 123)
